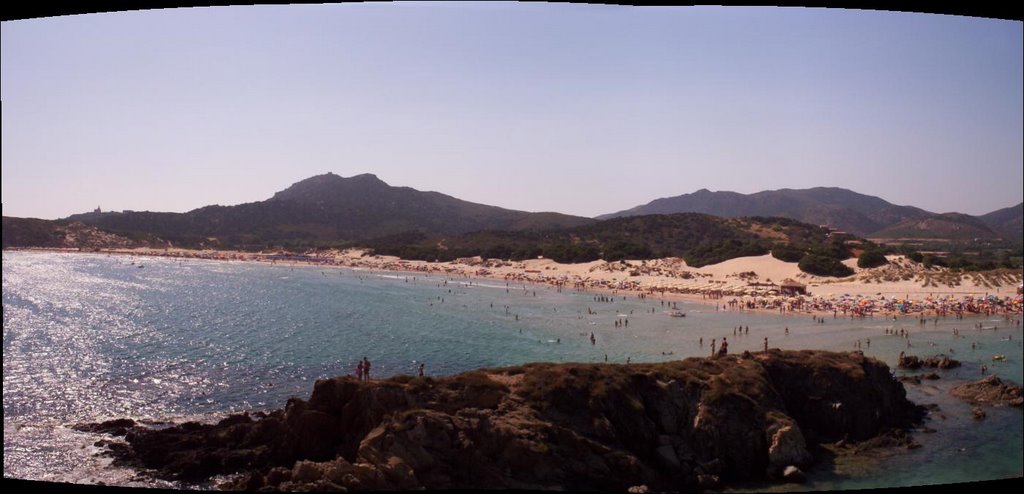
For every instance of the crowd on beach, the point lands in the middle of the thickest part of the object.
(732, 297)
(861, 306)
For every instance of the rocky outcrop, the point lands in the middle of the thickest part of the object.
(935, 361)
(989, 390)
(670, 426)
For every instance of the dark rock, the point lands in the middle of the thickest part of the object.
(935, 361)
(941, 362)
(278, 475)
(909, 362)
(931, 376)
(978, 413)
(696, 423)
(117, 427)
(255, 481)
(708, 481)
(989, 390)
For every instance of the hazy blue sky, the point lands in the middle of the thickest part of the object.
(571, 108)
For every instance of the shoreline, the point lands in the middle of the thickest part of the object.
(860, 300)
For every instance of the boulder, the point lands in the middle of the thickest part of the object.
(989, 390)
(787, 446)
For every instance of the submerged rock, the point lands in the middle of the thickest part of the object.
(696, 423)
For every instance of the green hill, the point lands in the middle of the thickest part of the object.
(947, 226)
(698, 238)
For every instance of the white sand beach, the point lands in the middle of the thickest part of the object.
(753, 282)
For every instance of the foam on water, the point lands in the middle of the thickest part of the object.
(90, 337)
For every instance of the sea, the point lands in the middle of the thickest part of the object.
(89, 337)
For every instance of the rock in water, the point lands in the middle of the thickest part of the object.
(909, 362)
(683, 425)
(935, 361)
(989, 390)
(941, 362)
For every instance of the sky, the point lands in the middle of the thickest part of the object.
(580, 109)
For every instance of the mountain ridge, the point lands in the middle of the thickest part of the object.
(329, 207)
(839, 208)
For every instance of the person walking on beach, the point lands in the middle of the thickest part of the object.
(724, 349)
(712, 347)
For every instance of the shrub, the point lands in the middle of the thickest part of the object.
(824, 266)
(787, 253)
(871, 259)
(621, 249)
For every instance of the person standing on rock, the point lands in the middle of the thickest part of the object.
(421, 370)
(724, 349)
(765, 344)
(366, 369)
(359, 371)
(712, 347)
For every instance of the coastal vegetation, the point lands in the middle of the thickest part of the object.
(824, 266)
(697, 238)
(871, 259)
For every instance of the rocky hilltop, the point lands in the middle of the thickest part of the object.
(678, 425)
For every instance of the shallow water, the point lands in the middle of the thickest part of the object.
(90, 337)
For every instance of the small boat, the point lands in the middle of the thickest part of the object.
(677, 313)
(998, 357)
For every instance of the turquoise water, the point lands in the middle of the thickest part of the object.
(89, 337)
